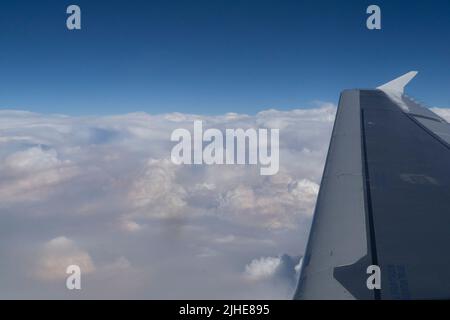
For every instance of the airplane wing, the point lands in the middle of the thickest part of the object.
(384, 201)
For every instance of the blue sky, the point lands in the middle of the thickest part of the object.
(215, 56)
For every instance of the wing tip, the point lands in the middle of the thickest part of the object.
(399, 84)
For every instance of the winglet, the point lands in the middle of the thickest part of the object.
(399, 84)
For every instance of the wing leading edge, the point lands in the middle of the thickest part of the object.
(384, 200)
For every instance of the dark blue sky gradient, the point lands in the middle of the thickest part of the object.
(215, 56)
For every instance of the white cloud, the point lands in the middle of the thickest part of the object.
(156, 191)
(56, 255)
(443, 112)
(129, 225)
(298, 267)
(262, 268)
(32, 159)
(108, 182)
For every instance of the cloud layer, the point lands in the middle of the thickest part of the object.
(102, 192)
